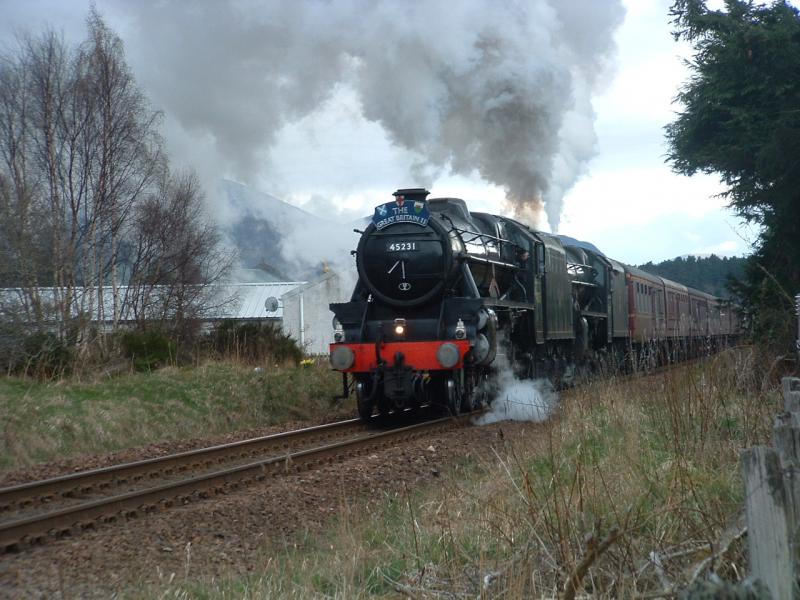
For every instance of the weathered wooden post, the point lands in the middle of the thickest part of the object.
(772, 497)
(791, 394)
(767, 521)
(797, 312)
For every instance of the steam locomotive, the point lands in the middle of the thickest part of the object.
(445, 295)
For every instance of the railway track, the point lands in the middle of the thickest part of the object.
(42, 493)
(35, 512)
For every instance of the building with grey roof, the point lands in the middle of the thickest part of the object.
(299, 307)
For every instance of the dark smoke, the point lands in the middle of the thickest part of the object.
(501, 88)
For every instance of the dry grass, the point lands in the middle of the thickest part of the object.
(633, 490)
(44, 421)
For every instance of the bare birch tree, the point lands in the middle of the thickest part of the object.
(177, 256)
(23, 218)
(129, 148)
(82, 143)
(86, 198)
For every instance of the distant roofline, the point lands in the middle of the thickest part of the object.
(126, 286)
(256, 283)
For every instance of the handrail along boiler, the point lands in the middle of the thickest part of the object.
(444, 295)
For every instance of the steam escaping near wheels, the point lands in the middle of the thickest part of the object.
(517, 399)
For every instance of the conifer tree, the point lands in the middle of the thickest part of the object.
(740, 119)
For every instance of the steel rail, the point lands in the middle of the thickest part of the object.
(61, 523)
(44, 491)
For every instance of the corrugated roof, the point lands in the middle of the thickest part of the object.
(248, 300)
(251, 299)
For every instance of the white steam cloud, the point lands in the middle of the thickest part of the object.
(499, 88)
(517, 399)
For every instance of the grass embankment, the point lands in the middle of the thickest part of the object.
(648, 468)
(48, 421)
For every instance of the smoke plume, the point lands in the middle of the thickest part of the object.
(498, 88)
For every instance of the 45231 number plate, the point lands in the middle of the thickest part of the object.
(401, 247)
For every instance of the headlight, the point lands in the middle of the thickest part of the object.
(342, 357)
(399, 327)
(448, 355)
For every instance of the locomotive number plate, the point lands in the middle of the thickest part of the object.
(401, 246)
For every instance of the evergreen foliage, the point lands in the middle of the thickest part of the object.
(148, 350)
(40, 353)
(741, 120)
(709, 274)
(253, 343)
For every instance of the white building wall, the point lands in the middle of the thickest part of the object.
(306, 315)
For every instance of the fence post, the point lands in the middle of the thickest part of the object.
(786, 439)
(791, 394)
(768, 525)
(797, 312)
(772, 496)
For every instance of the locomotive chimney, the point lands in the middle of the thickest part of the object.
(413, 194)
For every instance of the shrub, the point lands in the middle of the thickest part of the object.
(148, 350)
(45, 355)
(40, 354)
(254, 343)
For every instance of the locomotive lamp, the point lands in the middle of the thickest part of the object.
(461, 330)
(399, 327)
(338, 331)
